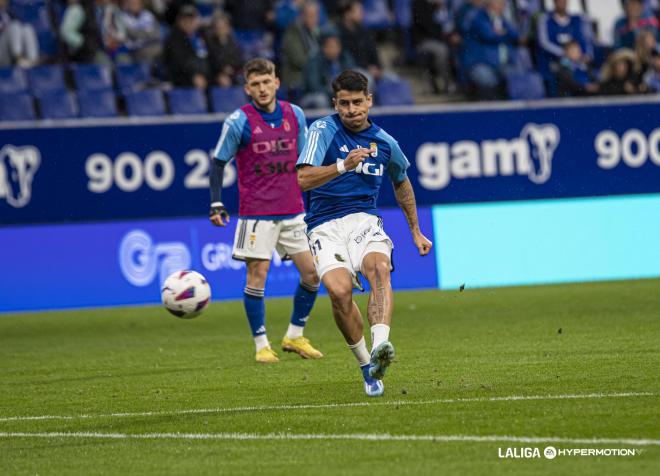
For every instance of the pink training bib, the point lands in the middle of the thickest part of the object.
(267, 182)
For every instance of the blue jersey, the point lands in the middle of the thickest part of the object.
(236, 131)
(356, 191)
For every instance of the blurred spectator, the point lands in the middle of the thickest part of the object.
(635, 20)
(574, 78)
(323, 68)
(556, 29)
(465, 14)
(357, 40)
(620, 74)
(645, 47)
(652, 75)
(287, 11)
(90, 30)
(251, 14)
(225, 56)
(141, 33)
(433, 30)
(300, 43)
(185, 51)
(488, 54)
(18, 40)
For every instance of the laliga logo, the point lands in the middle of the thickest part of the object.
(140, 258)
(17, 168)
(529, 155)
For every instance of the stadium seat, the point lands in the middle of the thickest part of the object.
(148, 102)
(16, 107)
(187, 101)
(394, 93)
(92, 77)
(58, 105)
(132, 77)
(12, 80)
(525, 86)
(45, 79)
(227, 99)
(97, 104)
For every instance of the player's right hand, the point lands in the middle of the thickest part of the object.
(219, 215)
(356, 156)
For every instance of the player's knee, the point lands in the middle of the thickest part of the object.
(257, 277)
(341, 295)
(377, 269)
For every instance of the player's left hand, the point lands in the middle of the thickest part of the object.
(422, 243)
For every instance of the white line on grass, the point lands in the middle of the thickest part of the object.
(331, 436)
(262, 408)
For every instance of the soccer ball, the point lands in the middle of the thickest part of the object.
(186, 294)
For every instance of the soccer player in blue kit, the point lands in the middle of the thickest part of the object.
(342, 166)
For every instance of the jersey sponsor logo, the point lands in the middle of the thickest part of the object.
(344, 148)
(272, 168)
(368, 168)
(257, 130)
(275, 146)
(18, 165)
(529, 155)
(140, 259)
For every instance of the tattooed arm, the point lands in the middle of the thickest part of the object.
(405, 197)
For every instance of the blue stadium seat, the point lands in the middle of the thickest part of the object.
(44, 79)
(97, 104)
(525, 86)
(132, 77)
(12, 80)
(148, 102)
(92, 77)
(187, 101)
(394, 93)
(58, 105)
(16, 107)
(227, 99)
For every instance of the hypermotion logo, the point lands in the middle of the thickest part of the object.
(140, 259)
(18, 165)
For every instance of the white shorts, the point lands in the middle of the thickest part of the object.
(344, 242)
(256, 238)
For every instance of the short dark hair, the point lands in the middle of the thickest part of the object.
(350, 80)
(258, 66)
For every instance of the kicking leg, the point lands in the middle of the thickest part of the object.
(347, 316)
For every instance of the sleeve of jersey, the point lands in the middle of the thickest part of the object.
(316, 146)
(398, 164)
(302, 127)
(230, 137)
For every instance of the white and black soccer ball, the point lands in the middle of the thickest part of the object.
(186, 294)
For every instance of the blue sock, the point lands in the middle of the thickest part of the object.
(255, 308)
(303, 301)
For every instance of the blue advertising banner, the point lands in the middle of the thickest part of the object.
(124, 263)
(135, 170)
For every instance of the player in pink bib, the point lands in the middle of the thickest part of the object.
(265, 137)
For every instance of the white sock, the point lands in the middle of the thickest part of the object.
(379, 334)
(261, 341)
(294, 331)
(360, 351)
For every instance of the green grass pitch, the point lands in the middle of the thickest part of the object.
(461, 358)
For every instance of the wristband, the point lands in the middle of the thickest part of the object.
(341, 168)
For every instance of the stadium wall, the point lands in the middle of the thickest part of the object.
(515, 193)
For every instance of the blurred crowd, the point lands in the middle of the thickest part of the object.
(468, 47)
